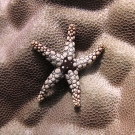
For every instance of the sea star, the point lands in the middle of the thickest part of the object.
(65, 65)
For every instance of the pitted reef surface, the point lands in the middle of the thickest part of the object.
(108, 89)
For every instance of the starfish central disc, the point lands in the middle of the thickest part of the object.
(67, 65)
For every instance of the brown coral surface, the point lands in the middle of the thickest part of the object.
(108, 86)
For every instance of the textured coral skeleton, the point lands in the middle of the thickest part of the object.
(66, 65)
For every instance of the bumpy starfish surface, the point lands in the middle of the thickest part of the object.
(65, 65)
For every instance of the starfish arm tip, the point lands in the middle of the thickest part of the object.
(71, 33)
(73, 80)
(88, 60)
(77, 105)
(40, 98)
(53, 57)
(69, 50)
(102, 47)
(52, 79)
(76, 99)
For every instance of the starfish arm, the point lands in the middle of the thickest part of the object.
(88, 60)
(69, 50)
(53, 78)
(73, 80)
(54, 58)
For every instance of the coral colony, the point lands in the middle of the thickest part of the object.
(66, 65)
